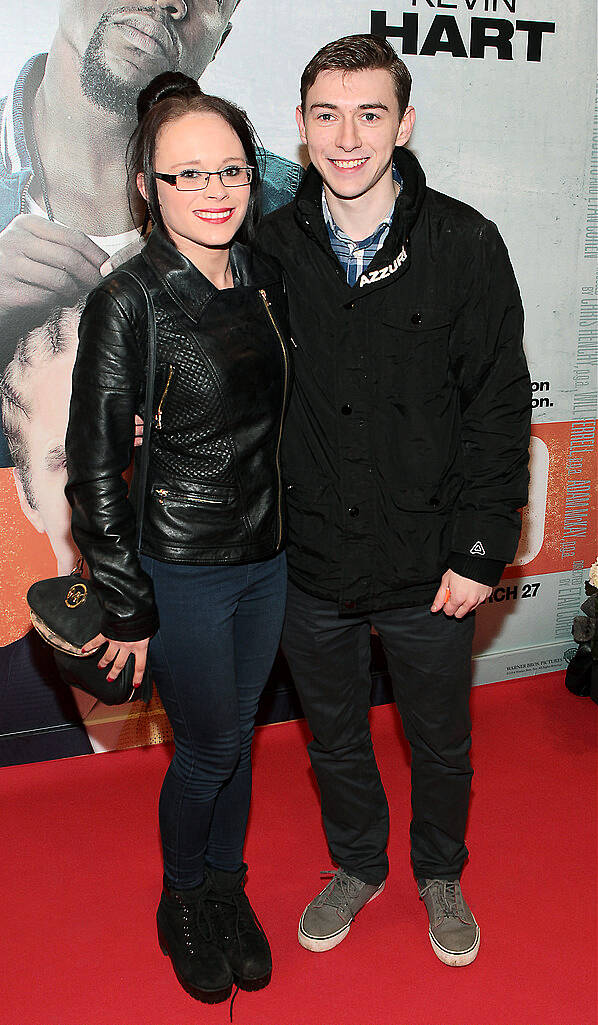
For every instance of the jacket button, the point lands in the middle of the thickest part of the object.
(416, 318)
(346, 410)
(353, 510)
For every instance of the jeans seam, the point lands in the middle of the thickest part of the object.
(190, 773)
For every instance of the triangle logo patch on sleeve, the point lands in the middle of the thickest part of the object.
(477, 549)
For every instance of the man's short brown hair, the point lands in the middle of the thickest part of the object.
(359, 53)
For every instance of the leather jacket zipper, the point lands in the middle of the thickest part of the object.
(164, 494)
(159, 411)
(266, 303)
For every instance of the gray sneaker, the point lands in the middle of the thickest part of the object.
(327, 920)
(454, 932)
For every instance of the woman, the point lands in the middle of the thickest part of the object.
(208, 586)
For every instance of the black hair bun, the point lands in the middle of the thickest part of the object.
(169, 83)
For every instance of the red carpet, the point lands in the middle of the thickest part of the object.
(81, 871)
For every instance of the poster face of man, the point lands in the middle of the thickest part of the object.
(121, 47)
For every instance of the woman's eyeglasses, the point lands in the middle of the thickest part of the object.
(192, 180)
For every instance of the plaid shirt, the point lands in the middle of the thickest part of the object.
(355, 257)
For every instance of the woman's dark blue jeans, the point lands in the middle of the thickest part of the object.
(219, 632)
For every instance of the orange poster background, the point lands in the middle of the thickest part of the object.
(556, 437)
(25, 556)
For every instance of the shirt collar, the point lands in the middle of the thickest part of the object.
(384, 224)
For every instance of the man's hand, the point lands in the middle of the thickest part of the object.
(43, 265)
(458, 595)
(118, 652)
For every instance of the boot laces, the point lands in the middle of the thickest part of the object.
(194, 929)
(232, 1000)
(235, 912)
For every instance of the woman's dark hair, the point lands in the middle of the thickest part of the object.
(168, 97)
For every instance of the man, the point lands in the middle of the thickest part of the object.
(63, 134)
(405, 458)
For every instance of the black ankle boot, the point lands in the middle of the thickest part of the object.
(235, 928)
(184, 934)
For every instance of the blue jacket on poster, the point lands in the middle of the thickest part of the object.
(281, 177)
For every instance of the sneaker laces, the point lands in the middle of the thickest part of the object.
(446, 895)
(344, 888)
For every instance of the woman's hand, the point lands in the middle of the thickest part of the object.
(118, 652)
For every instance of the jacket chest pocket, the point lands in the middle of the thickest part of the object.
(414, 344)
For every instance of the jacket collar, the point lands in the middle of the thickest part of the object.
(407, 206)
(189, 288)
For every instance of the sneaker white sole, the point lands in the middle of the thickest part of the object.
(321, 943)
(451, 957)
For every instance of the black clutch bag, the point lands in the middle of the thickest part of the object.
(66, 611)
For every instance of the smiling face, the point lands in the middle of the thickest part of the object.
(206, 218)
(351, 126)
(122, 46)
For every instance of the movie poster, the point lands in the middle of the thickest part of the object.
(505, 96)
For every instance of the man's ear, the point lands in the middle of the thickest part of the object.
(140, 180)
(406, 127)
(301, 124)
(32, 514)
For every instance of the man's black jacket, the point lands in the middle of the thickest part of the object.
(406, 442)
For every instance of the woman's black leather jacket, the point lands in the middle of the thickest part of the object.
(213, 494)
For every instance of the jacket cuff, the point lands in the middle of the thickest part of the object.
(483, 571)
(135, 628)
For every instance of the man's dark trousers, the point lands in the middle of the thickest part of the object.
(429, 659)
